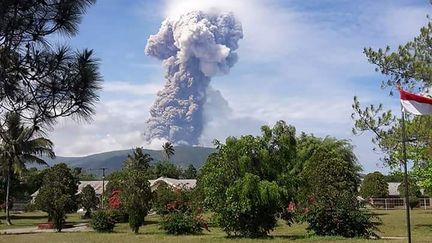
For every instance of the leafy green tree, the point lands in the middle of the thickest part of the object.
(134, 188)
(190, 172)
(395, 176)
(138, 159)
(57, 196)
(248, 181)
(18, 146)
(165, 169)
(136, 197)
(168, 150)
(374, 185)
(410, 67)
(331, 173)
(83, 175)
(88, 200)
(413, 191)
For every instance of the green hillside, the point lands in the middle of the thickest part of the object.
(184, 155)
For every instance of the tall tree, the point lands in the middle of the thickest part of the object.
(18, 146)
(138, 159)
(136, 197)
(410, 67)
(331, 180)
(37, 81)
(88, 200)
(248, 182)
(168, 150)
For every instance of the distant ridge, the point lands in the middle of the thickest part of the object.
(184, 155)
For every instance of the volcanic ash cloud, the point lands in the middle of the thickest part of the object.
(193, 48)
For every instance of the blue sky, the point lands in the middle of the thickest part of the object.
(300, 61)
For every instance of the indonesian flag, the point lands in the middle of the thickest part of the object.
(415, 104)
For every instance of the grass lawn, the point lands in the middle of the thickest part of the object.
(393, 225)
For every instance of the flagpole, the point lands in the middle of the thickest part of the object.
(404, 153)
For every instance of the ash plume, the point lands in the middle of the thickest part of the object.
(193, 48)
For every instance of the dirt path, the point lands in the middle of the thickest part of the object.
(30, 230)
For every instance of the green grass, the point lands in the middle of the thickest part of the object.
(393, 225)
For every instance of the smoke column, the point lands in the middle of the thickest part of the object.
(193, 48)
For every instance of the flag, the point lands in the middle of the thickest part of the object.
(415, 104)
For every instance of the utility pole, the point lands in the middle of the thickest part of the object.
(408, 219)
(103, 186)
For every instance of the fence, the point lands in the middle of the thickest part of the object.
(398, 203)
(20, 205)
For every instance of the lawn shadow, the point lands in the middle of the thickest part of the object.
(419, 226)
(15, 217)
(378, 214)
(150, 222)
(272, 237)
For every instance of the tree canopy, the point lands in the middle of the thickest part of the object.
(374, 185)
(410, 68)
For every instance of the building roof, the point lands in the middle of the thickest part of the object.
(393, 188)
(97, 186)
(177, 183)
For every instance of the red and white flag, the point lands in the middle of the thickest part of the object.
(415, 104)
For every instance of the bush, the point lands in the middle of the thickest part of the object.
(251, 207)
(180, 223)
(102, 221)
(344, 218)
(119, 215)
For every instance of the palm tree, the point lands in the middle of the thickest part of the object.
(138, 159)
(168, 150)
(18, 147)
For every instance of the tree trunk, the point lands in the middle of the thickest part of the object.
(8, 182)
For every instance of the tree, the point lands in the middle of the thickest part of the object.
(190, 172)
(83, 175)
(168, 150)
(57, 196)
(18, 146)
(38, 82)
(331, 173)
(165, 169)
(88, 200)
(413, 191)
(410, 67)
(136, 197)
(374, 185)
(138, 159)
(248, 181)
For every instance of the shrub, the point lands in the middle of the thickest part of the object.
(119, 215)
(251, 207)
(136, 197)
(180, 223)
(102, 221)
(167, 199)
(343, 218)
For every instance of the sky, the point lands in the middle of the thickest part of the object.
(300, 61)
